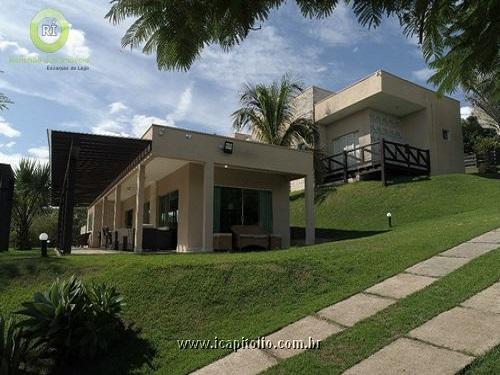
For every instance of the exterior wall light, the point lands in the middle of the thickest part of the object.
(389, 219)
(228, 147)
(43, 243)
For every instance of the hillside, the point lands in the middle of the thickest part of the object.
(230, 295)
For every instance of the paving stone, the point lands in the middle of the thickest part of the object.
(493, 237)
(461, 329)
(405, 356)
(437, 266)
(355, 308)
(242, 362)
(487, 300)
(401, 285)
(303, 330)
(470, 250)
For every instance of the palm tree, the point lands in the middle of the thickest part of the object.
(269, 112)
(4, 100)
(31, 196)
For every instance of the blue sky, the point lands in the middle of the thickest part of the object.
(124, 92)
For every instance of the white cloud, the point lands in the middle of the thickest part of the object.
(117, 107)
(422, 74)
(264, 56)
(12, 159)
(15, 48)
(465, 112)
(7, 130)
(141, 123)
(7, 145)
(41, 152)
(182, 108)
(341, 29)
(75, 45)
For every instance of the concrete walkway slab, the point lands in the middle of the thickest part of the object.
(492, 237)
(356, 308)
(405, 356)
(488, 300)
(302, 330)
(461, 329)
(470, 250)
(401, 285)
(243, 362)
(437, 266)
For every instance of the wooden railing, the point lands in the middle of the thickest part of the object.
(377, 156)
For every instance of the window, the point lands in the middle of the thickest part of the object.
(147, 213)
(235, 206)
(169, 209)
(446, 134)
(129, 218)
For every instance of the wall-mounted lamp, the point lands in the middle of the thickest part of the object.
(228, 147)
(188, 136)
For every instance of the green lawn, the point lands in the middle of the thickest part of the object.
(250, 294)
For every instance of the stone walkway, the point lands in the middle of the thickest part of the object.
(428, 348)
(445, 344)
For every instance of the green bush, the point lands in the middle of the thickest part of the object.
(16, 351)
(71, 321)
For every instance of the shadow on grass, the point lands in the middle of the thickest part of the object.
(129, 353)
(17, 267)
(298, 234)
(320, 194)
(492, 175)
(406, 180)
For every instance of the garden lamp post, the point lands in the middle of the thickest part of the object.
(43, 243)
(389, 219)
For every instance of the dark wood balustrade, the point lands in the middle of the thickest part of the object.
(382, 157)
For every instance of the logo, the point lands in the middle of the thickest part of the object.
(49, 30)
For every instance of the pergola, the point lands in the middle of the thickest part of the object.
(82, 167)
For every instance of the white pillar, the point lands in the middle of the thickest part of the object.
(153, 204)
(117, 222)
(309, 201)
(103, 216)
(208, 206)
(139, 207)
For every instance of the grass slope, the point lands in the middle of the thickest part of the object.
(250, 294)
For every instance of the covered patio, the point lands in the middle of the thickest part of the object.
(185, 190)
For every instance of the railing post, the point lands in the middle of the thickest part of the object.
(407, 152)
(382, 162)
(345, 166)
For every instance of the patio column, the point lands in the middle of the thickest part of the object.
(208, 205)
(139, 207)
(153, 204)
(103, 216)
(117, 209)
(95, 236)
(309, 200)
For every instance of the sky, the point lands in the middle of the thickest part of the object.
(123, 91)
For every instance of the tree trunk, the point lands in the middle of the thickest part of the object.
(23, 236)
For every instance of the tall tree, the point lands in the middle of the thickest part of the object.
(31, 196)
(486, 105)
(458, 38)
(269, 112)
(4, 100)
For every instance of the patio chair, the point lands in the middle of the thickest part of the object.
(249, 236)
(83, 240)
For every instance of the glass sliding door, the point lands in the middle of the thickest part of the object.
(236, 206)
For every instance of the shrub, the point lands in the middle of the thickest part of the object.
(71, 321)
(15, 349)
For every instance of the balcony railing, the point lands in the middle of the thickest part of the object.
(381, 157)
